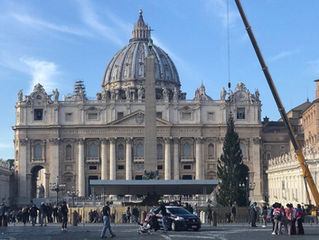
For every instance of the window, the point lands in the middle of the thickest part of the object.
(92, 116)
(93, 150)
(138, 177)
(68, 117)
(159, 151)
(187, 167)
(210, 116)
(210, 150)
(282, 147)
(120, 115)
(159, 167)
(159, 114)
(38, 114)
(68, 152)
(120, 152)
(186, 150)
(243, 149)
(37, 151)
(93, 167)
(186, 116)
(240, 113)
(187, 177)
(268, 156)
(139, 150)
(120, 167)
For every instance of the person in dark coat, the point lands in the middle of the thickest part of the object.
(33, 214)
(299, 218)
(43, 214)
(64, 214)
(253, 214)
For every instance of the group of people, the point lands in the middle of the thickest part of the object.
(287, 220)
(131, 215)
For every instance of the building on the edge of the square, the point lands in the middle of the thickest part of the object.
(5, 181)
(74, 140)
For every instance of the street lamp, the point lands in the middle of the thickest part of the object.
(73, 193)
(56, 187)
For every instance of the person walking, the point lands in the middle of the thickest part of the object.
(253, 214)
(43, 214)
(299, 218)
(106, 220)
(277, 213)
(25, 214)
(136, 214)
(128, 215)
(34, 213)
(288, 217)
(233, 213)
(64, 214)
(264, 215)
(209, 214)
(162, 210)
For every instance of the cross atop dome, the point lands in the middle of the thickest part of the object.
(141, 31)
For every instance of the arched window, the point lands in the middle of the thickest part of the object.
(68, 152)
(37, 151)
(186, 150)
(210, 150)
(243, 149)
(93, 151)
(139, 150)
(159, 151)
(120, 151)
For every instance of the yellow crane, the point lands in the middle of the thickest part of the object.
(303, 164)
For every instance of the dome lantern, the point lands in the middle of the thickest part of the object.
(141, 32)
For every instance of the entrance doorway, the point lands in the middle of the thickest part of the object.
(38, 182)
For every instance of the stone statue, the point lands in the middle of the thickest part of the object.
(223, 94)
(140, 93)
(112, 94)
(41, 191)
(165, 94)
(20, 96)
(175, 95)
(99, 96)
(197, 94)
(257, 95)
(56, 95)
(127, 94)
(81, 94)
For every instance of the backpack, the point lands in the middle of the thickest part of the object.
(277, 214)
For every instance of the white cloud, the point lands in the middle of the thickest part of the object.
(38, 23)
(219, 9)
(283, 55)
(91, 19)
(42, 72)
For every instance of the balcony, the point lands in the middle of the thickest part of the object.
(188, 159)
(92, 160)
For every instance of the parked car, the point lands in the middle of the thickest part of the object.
(179, 218)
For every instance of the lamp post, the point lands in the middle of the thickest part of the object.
(73, 193)
(56, 187)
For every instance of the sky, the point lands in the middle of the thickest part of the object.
(58, 42)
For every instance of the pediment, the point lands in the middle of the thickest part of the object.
(137, 119)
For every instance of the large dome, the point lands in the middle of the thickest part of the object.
(126, 69)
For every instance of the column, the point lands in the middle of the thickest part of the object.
(167, 160)
(103, 159)
(54, 169)
(176, 159)
(112, 159)
(46, 184)
(199, 162)
(22, 170)
(81, 176)
(128, 156)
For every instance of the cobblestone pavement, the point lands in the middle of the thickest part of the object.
(129, 231)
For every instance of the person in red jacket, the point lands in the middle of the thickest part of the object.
(299, 218)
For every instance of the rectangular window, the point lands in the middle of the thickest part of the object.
(187, 167)
(159, 167)
(210, 116)
(186, 116)
(120, 115)
(38, 114)
(68, 117)
(120, 167)
(159, 114)
(187, 177)
(93, 167)
(138, 177)
(240, 113)
(92, 116)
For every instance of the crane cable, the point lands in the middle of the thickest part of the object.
(228, 45)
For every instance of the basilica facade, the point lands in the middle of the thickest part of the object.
(72, 140)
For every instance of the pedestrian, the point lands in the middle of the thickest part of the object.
(128, 215)
(299, 219)
(288, 217)
(136, 214)
(293, 221)
(106, 220)
(283, 219)
(33, 214)
(209, 214)
(2, 214)
(43, 214)
(277, 219)
(163, 212)
(25, 214)
(233, 213)
(64, 214)
(253, 214)
(264, 215)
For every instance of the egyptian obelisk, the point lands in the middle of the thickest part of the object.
(150, 139)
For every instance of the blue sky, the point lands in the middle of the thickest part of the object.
(58, 42)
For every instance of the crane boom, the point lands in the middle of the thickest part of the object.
(303, 164)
